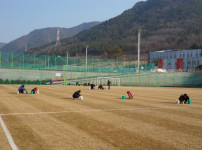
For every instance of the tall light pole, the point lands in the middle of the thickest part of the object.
(139, 33)
(26, 47)
(67, 62)
(86, 57)
(67, 58)
(48, 61)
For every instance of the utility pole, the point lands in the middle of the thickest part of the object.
(58, 37)
(139, 34)
(86, 57)
(67, 59)
(48, 61)
(26, 47)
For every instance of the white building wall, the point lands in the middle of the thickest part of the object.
(191, 58)
(165, 64)
(185, 65)
(173, 64)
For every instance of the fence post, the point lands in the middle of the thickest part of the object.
(51, 72)
(34, 60)
(26, 74)
(23, 61)
(64, 75)
(10, 72)
(0, 59)
(130, 79)
(148, 79)
(175, 74)
(157, 80)
(165, 79)
(40, 76)
(55, 63)
(12, 60)
(45, 61)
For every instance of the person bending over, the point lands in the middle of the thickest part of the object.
(100, 87)
(35, 90)
(130, 94)
(21, 89)
(183, 98)
(77, 94)
(92, 86)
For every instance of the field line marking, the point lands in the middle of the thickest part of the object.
(94, 110)
(8, 135)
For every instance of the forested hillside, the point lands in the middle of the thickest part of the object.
(165, 24)
(2, 44)
(44, 36)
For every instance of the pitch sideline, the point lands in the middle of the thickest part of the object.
(94, 110)
(8, 135)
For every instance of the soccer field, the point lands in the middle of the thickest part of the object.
(52, 120)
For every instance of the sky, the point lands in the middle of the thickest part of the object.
(20, 17)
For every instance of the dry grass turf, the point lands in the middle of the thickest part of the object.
(52, 120)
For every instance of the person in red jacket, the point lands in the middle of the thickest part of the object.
(130, 94)
(35, 90)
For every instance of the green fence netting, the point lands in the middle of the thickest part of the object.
(38, 69)
(32, 61)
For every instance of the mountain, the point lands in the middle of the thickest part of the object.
(2, 44)
(165, 24)
(44, 36)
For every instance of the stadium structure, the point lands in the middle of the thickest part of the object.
(178, 60)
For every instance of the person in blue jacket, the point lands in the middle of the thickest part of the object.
(21, 89)
(51, 82)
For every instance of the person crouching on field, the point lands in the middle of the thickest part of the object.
(76, 94)
(100, 87)
(92, 86)
(183, 98)
(35, 90)
(130, 94)
(21, 89)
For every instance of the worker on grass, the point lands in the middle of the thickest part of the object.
(21, 89)
(77, 95)
(183, 98)
(35, 91)
(51, 82)
(92, 86)
(108, 84)
(100, 87)
(130, 94)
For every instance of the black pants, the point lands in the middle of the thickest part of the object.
(21, 91)
(34, 92)
(182, 101)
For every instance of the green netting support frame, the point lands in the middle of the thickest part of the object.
(33, 61)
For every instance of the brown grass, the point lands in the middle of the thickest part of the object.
(102, 120)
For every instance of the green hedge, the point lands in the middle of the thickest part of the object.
(37, 82)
